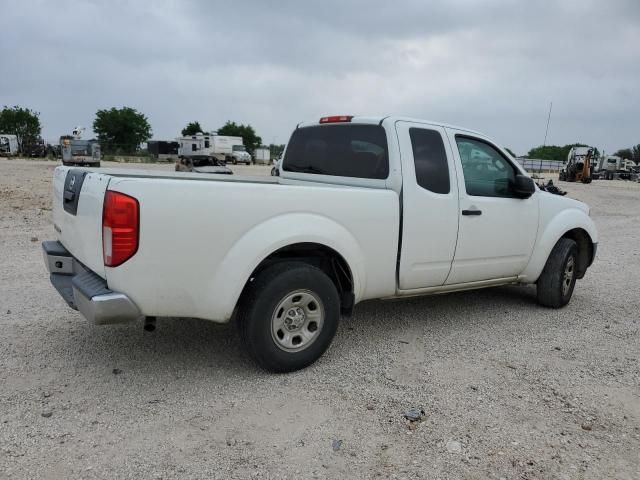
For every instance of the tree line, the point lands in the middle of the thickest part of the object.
(118, 130)
(123, 130)
(557, 152)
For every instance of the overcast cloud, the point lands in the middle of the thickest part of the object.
(492, 65)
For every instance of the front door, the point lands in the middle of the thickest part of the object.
(429, 206)
(497, 230)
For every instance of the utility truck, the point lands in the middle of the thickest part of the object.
(79, 152)
(364, 208)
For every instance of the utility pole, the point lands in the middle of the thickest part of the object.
(544, 144)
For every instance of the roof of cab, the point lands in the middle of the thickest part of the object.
(372, 120)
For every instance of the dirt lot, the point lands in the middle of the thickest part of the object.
(509, 389)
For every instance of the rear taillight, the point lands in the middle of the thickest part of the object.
(336, 119)
(120, 228)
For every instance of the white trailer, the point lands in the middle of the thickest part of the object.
(8, 145)
(262, 155)
(223, 147)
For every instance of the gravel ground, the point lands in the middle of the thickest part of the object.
(509, 389)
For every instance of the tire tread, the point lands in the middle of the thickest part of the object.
(549, 284)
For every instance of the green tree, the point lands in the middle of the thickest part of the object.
(556, 152)
(510, 152)
(635, 154)
(624, 153)
(548, 152)
(250, 139)
(22, 122)
(121, 130)
(191, 129)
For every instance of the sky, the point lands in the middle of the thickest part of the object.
(492, 65)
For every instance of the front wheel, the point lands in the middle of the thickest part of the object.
(558, 279)
(288, 316)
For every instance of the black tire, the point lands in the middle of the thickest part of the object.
(558, 278)
(257, 314)
(235, 162)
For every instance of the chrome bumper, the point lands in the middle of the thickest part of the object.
(85, 291)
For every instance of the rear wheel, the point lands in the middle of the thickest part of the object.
(288, 316)
(558, 279)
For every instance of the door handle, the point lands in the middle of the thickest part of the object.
(472, 212)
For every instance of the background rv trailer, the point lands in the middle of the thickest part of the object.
(224, 148)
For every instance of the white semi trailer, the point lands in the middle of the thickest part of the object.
(262, 155)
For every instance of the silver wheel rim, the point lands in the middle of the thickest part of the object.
(567, 277)
(297, 320)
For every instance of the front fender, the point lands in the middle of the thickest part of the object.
(560, 224)
(271, 235)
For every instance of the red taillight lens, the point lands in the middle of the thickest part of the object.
(336, 119)
(120, 228)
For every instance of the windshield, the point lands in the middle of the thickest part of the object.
(238, 148)
(346, 150)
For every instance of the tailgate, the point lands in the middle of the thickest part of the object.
(78, 195)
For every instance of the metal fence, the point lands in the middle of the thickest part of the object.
(539, 165)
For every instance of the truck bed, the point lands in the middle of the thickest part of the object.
(201, 239)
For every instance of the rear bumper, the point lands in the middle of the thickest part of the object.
(82, 159)
(85, 291)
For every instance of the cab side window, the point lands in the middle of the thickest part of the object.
(486, 172)
(430, 160)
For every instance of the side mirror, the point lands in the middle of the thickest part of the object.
(523, 186)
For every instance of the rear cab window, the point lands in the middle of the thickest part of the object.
(430, 160)
(342, 150)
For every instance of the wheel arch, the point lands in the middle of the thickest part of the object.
(331, 262)
(585, 248)
(571, 223)
(313, 238)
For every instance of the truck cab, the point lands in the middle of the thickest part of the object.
(239, 154)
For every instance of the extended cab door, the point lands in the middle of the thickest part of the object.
(497, 229)
(429, 206)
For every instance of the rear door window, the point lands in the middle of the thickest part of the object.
(430, 160)
(343, 150)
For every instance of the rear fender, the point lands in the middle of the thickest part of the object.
(271, 235)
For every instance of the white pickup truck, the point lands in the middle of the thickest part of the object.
(365, 208)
